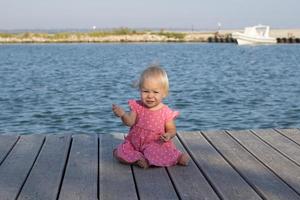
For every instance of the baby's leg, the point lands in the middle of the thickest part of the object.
(119, 158)
(126, 153)
(143, 163)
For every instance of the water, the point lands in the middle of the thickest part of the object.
(59, 88)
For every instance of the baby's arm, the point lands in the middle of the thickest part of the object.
(170, 128)
(128, 118)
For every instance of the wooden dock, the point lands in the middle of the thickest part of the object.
(248, 164)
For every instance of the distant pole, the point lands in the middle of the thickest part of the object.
(219, 26)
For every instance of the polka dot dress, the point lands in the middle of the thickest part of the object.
(143, 140)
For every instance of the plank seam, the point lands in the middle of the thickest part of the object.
(280, 152)
(30, 169)
(64, 168)
(173, 183)
(269, 168)
(212, 185)
(11, 148)
(278, 131)
(234, 168)
(98, 167)
(135, 182)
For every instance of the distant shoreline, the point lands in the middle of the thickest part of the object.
(129, 35)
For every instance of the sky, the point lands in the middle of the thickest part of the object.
(162, 14)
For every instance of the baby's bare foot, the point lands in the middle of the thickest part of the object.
(183, 159)
(143, 163)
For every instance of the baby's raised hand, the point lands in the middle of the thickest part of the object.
(118, 111)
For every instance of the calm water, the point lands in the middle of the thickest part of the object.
(58, 88)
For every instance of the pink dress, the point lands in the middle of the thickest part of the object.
(143, 140)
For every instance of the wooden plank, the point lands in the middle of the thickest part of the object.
(226, 181)
(116, 179)
(282, 166)
(293, 134)
(189, 181)
(80, 180)
(281, 143)
(6, 144)
(45, 177)
(154, 183)
(270, 186)
(15, 168)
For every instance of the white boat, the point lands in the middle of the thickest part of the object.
(254, 35)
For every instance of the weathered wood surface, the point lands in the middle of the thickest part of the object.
(248, 164)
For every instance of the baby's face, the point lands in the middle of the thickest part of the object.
(152, 94)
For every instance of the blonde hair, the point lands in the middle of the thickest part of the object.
(157, 73)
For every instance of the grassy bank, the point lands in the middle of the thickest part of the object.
(131, 35)
(115, 35)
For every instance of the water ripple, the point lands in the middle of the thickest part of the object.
(52, 88)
